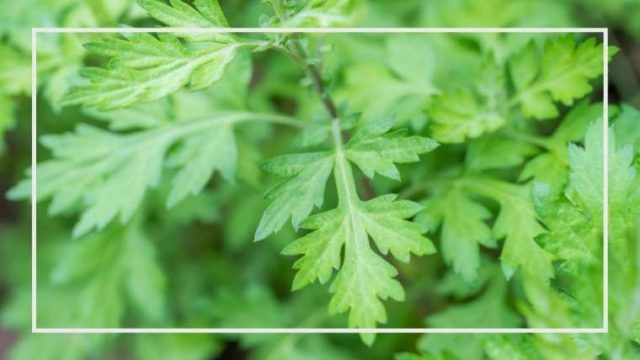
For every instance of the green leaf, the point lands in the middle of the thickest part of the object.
(471, 111)
(551, 167)
(296, 197)
(464, 229)
(458, 115)
(586, 188)
(317, 13)
(518, 224)
(138, 116)
(585, 176)
(177, 13)
(107, 174)
(364, 278)
(489, 309)
(627, 126)
(116, 268)
(374, 152)
(571, 235)
(199, 157)
(562, 72)
(145, 280)
(145, 68)
(377, 91)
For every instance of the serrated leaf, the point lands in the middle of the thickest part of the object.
(586, 170)
(116, 268)
(464, 229)
(458, 115)
(364, 278)
(199, 157)
(383, 219)
(177, 13)
(551, 167)
(107, 174)
(375, 90)
(145, 68)
(374, 152)
(627, 126)
(296, 197)
(518, 224)
(563, 74)
(586, 189)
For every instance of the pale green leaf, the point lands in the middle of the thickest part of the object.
(464, 229)
(458, 115)
(364, 278)
(490, 309)
(145, 68)
(561, 72)
(518, 224)
(144, 278)
(376, 152)
(199, 157)
(384, 220)
(107, 174)
(627, 126)
(551, 167)
(177, 13)
(586, 176)
(296, 197)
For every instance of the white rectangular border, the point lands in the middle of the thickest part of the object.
(605, 193)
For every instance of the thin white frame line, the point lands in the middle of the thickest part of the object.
(605, 180)
(34, 139)
(314, 331)
(286, 30)
(602, 31)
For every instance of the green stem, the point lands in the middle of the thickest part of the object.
(316, 79)
(345, 182)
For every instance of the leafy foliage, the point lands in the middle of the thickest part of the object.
(353, 222)
(563, 74)
(159, 168)
(561, 71)
(145, 68)
(316, 13)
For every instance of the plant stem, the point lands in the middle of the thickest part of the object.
(345, 181)
(316, 79)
